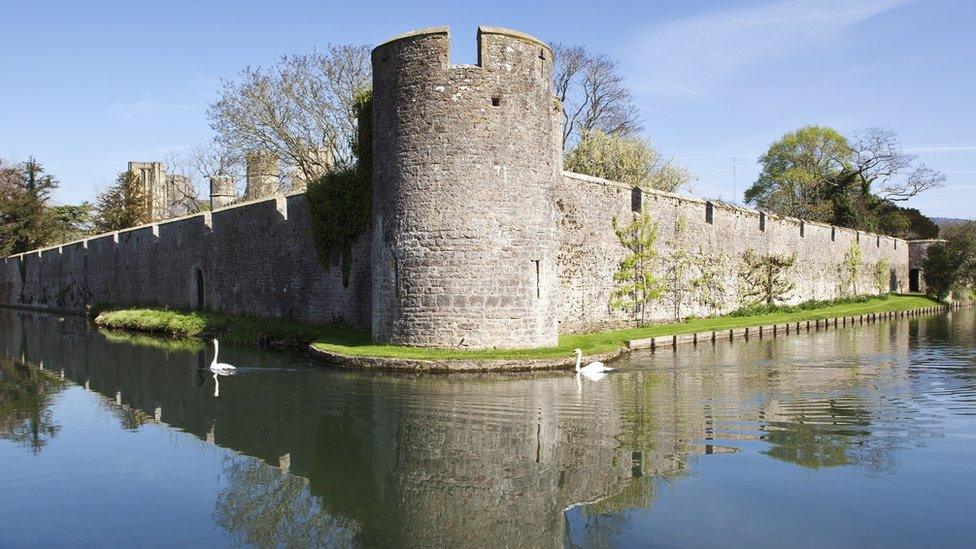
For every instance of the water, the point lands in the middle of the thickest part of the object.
(860, 437)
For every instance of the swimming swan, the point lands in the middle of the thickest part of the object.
(591, 368)
(218, 368)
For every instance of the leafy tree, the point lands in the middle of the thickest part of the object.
(766, 277)
(851, 268)
(636, 284)
(593, 95)
(73, 222)
(816, 173)
(122, 205)
(26, 222)
(882, 276)
(711, 285)
(951, 265)
(678, 263)
(627, 159)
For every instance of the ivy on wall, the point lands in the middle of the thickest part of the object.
(340, 201)
(882, 275)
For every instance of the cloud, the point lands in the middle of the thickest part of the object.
(944, 148)
(146, 107)
(688, 57)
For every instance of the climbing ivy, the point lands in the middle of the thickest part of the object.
(341, 200)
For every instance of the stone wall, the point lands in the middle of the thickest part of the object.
(256, 258)
(464, 172)
(590, 252)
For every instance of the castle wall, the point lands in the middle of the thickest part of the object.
(257, 258)
(590, 252)
(463, 176)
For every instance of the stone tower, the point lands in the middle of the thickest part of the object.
(222, 191)
(152, 178)
(465, 168)
(263, 171)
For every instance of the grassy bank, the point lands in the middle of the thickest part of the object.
(351, 342)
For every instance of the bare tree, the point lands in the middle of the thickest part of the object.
(878, 159)
(594, 95)
(301, 109)
(199, 163)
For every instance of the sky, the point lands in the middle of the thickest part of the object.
(87, 86)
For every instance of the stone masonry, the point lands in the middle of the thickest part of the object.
(478, 237)
(464, 238)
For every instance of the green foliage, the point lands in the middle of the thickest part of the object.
(73, 222)
(818, 174)
(340, 202)
(122, 205)
(882, 275)
(232, 328)
(765, 277)
(26, 222)
(678, 263)
(851, 267)
(602, 342)
(26, 394)
(951, 266)
(636, 284)
(810, 305)
(711, 285)
(627, 159)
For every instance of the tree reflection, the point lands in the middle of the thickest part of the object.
(268, 507)
(25, 395)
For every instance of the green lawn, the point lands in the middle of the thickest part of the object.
(351, 342)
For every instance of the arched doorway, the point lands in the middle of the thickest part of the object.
(200, 290)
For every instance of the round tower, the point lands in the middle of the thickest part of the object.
(222, 191)
(263, 172)
(465, 165)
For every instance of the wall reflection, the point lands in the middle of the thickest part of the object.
(346, 457)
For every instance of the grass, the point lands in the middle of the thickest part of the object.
(351, 342)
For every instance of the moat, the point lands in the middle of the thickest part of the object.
(862, 436)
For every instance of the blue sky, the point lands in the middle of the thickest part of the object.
(87, 86)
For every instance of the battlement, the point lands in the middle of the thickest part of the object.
(500, 50)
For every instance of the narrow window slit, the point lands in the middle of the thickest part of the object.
(538, 279)
(496, 101)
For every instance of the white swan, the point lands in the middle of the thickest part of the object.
(591, 369)
(218, 368)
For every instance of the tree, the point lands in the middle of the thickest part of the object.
(951, 265)
(73, 222)
(882, 276)
(301, 109)
(766, 277)
(199, 163)
(678, 262)
(711, 285)
(851, 268)
(122, 205)
(627, 159)
(636, 284)
(26, 222)
(816, 173)
(593, 94)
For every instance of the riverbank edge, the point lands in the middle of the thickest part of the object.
(318, 348)
(654, 344)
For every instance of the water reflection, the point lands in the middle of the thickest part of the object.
(25, 398)
(344, 458)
